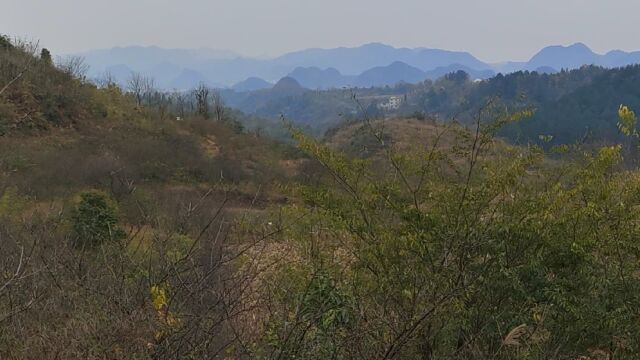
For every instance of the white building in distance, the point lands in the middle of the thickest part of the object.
(392, 103)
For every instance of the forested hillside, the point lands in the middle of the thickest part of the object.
(136, 224)
(569, 106)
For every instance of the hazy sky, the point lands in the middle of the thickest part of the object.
(493, 30)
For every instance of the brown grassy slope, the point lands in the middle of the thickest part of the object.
(403, 135)
(167, 180)
(357, 139)
(60, 134)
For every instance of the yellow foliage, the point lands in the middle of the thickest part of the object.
(609, 155)
(159, 298)
(167, 319)
(628, 120)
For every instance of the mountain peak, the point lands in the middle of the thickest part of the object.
(399, 64)
(376, 45)
(315, 78)
(251, 84)
(391, 74)
(564, 57)
(579, 45)
(288, 83)
(576, 47)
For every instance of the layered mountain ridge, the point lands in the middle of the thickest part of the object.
(368, 65)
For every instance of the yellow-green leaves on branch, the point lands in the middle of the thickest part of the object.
(627, 121)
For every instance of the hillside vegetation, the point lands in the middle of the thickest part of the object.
(103, 200)
(570, 106)
(134, 230)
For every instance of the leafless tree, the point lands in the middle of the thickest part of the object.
(141, 87)
(16, 270)
(31, 49)
(135, 87)
(180, 100)
(107, 81)
(162, 101)
(148, 89)
(74, 66)
(218, 105)
(201, 94)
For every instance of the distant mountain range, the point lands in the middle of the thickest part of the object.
(392, 74)
(554, 58)
(364, 66)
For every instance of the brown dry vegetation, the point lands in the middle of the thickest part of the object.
(180, 191)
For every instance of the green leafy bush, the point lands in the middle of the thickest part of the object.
(477, 251)
(95, 221)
